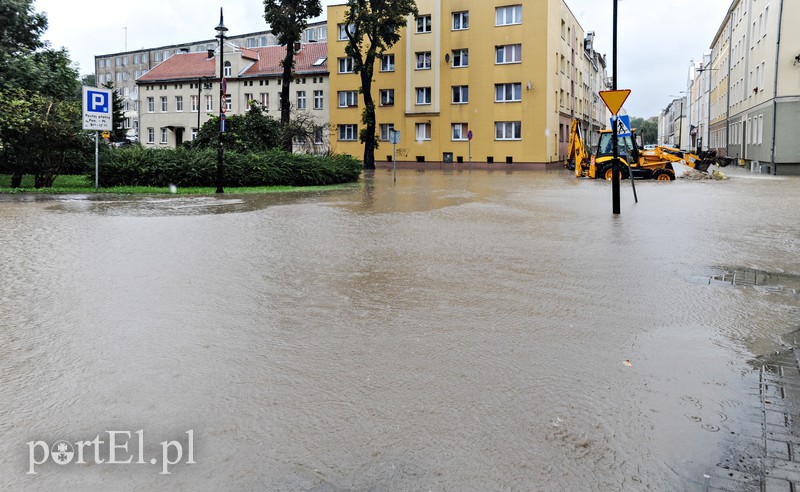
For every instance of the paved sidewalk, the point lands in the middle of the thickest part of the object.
(767, 454)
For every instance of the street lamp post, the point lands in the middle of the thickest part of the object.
(202, 84)
(221, 29)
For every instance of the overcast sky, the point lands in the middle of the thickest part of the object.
(656, 39)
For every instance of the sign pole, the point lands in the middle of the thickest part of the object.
(96, 162)
(615, 143)
(394, 158)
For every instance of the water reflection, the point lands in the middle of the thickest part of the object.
(455, 330)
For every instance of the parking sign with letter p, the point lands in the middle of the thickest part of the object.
(97, 110)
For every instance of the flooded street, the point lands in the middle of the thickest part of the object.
(455, 331)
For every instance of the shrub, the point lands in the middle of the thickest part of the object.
(139, 166)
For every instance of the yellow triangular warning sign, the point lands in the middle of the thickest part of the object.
(615, 99)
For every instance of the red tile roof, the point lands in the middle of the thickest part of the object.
(267, 62)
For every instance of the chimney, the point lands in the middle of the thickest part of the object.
(210, 54)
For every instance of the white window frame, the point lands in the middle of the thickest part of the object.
(460, 20)
(209, 102)
(346, 64)
(179, 104)
(348, 132)
(423, 60)
(501, 92)
(319, 100)
(227, 69)
(265, 101)
(459, 94)
(461, 58)
(458, 132)
(164, 135)
(343, 33)
(385, 129)
(195, 104)
(424, 24)
(508, 53)
(151, 135)
(509, 15)
(348, 99)
(228, 102)
(387, 62)
(508, 130)
(301, 99)
(423, 96)
(164, 104)
(151, 105)
(386, 97)
(422, 131)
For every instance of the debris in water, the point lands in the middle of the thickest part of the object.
(697, 175)
(628, 363)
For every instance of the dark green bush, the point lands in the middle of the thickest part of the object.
(139, 166)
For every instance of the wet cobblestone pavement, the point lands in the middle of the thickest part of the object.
(767, 450)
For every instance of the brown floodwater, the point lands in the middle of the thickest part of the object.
(456, 331)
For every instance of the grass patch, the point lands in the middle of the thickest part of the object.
(79, 184)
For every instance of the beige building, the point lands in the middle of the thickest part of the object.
(755, 85)
(512, 75)
(123, 69)
(180, 94)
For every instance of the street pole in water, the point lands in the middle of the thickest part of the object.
(614, 139)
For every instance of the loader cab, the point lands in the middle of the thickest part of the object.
(626, 146)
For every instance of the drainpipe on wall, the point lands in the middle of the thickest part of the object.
(775, 92)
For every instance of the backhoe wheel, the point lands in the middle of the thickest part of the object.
(608, 172)
(663, 175)
(571, 164)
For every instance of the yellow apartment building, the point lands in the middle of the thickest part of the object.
(511, 75)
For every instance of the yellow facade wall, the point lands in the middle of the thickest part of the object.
(538, 74)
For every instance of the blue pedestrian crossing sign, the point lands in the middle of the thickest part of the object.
(98, 113)
(622, 124)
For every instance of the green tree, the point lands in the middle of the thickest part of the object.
(253, 131)
(288, 19)
(372, 27)
(118, 115)
(647, 128)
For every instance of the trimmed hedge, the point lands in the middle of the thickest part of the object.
(138, 166)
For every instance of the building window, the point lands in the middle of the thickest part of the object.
(248, 100)
(424, 60)
(178, 103)
(157, 57)
(346, 65)
(343, 30)
(265, 101)
(460, 21)
(348, 99)
(423, 131)
(424, 23)
(509, 15)
(318, 136)
(459, 131)
(301, 99)
(348, 132)
(460, 58)
(508, 92)
(164, 135)
(386, 129)
(209, 103)
(510, 53)
(460, 94)
(164, 105)
(319, 100)
(508, 130)
(151, 135)
(194, 133)
(423, 95)
(227, 69)
(387, 63)
(228, 102)
(387, 97)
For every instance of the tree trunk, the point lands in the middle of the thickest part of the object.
(16, 179)
(288, 63)
(368, 117)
